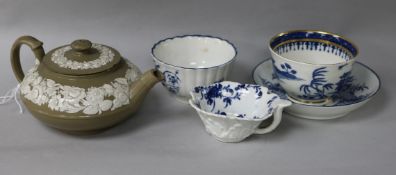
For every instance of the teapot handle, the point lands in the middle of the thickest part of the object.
(277, 118)
(34, 44)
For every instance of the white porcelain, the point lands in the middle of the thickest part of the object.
(359, 87)
(310, 64)
(232, 111)
(192, 60)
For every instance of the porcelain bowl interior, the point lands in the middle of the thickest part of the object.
(235, 100)
(313, 47)
(192, 60)
(194, 51)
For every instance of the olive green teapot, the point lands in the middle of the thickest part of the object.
(80, 88)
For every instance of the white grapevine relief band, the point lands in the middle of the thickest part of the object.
(106, 56)
(71, 99)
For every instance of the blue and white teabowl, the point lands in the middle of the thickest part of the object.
(311, 66)
(192, 60)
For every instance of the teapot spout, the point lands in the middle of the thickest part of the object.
(140, 88)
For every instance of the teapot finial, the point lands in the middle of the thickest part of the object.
(82, 50)
(81, 45)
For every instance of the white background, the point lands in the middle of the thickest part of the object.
(166, 137)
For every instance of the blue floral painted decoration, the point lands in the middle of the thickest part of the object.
(172, 81)
(217, 90)
(229, 94)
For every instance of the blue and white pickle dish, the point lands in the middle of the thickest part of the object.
(310, 64)
(232, 111)
(189, 61)
(354, 90)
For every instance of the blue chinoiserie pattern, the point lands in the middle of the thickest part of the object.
(316, 89)
(318, 85)
(346, 90)
(285, 72)
(274, 87)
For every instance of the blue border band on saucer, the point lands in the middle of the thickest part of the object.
(371, 70)
(193, 35)
(308, 34)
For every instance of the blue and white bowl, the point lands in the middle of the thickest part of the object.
(232, 111)
(361, 85)
(310, 65)
(192, 60)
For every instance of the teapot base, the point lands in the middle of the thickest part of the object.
(84, 133)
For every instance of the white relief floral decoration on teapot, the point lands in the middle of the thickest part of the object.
(59, 58)
(71, 99)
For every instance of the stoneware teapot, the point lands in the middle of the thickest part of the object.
(80, 88)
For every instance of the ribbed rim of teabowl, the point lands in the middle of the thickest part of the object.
(315, 36)
(196, 36)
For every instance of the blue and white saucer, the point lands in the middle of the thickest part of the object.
(363, 86)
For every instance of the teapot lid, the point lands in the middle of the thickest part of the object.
(81, 57)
